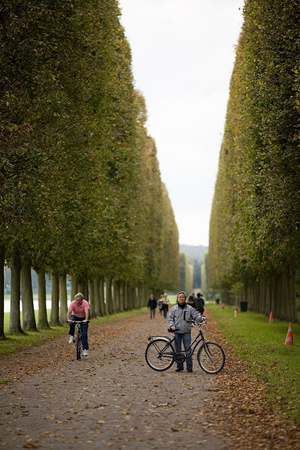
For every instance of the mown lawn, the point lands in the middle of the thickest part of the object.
(17, 341)
(262, 347)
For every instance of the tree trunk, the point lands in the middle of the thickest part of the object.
(129, 298)
(54, 317)
(108, 295)
(103, 304)
(43, 320)
(293, 297)
(63, 298)
(117, 295)
(81, 287)
(113, 297)
(134, 299)
(14, 317)
(126, 296)
(281, 298)
(97, 297)
(27, 298)
(2, 259)
(74, 286)
(274, 293)
(86, 292)
(139, 295)
(92, 299)
(122, 295)
(142, 294)
(291, 303)
(145, 295)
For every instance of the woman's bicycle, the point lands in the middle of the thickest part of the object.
(78, 338)
(161, 355)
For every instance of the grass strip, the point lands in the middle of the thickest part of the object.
(262, 347)
(27, 339)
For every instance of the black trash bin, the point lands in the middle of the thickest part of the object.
(243, 306)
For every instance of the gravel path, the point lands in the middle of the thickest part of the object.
(109, 399)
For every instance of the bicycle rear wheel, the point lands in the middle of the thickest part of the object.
(159, 355)
(211, 357)
(78, 347)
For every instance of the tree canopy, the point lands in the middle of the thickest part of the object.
(80, 186)
(254, 227)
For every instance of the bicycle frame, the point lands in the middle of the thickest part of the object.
(160, 353)
(190, 349)
(78, 326)
(78, 338)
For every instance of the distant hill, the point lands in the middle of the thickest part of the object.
(195, 251)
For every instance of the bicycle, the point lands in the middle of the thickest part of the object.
(160, 353)
(78, 338)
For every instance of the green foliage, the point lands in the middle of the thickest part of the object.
(185, 274)
(262, 346)
(254, 227)
(196, 268)
(80, 187)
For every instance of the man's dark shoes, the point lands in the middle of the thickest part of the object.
(190, 370)
(179, 370)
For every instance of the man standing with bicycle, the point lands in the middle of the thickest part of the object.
(178, 317)
(79, 311)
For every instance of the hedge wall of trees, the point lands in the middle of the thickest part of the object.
(80, 187)
(185, 274)
(255, 218)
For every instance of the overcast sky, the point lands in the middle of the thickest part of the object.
(183, 53)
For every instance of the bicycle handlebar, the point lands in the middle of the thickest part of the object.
(79, 321)
(203, 320)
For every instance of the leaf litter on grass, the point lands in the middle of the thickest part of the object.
(248, 416)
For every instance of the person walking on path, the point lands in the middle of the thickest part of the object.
(165, 305)
(152, 304)
(191, 301)
(178, 317)
(79, 311)
(199, 303)
(160, 304)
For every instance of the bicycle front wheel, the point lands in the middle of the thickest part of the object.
(159, 355)
(211, 357)
(78, 347)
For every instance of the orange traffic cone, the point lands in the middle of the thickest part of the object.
(271, 318)
(236, 312)
(289, 336)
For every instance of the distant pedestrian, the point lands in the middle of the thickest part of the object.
(152, 304)
(165, 305)
(191, 301)
(199, 303)
(160, 304)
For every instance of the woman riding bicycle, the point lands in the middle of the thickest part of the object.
(79, 311)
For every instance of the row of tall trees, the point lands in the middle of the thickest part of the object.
(186, 274)
(80, 187)
(255, 218)
(195, 268)
(205, 275)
